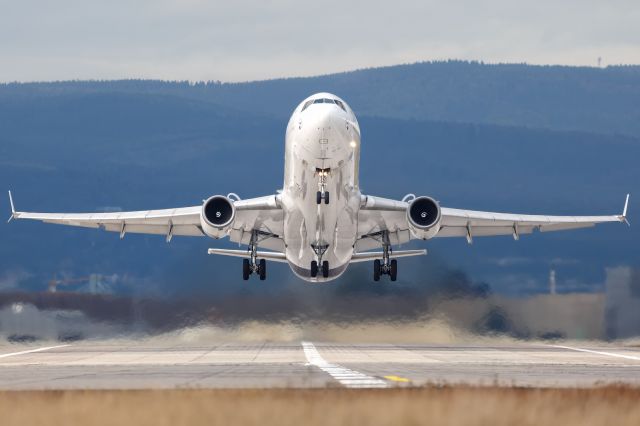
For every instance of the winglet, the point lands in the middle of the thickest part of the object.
(13, 209)
(623, 217)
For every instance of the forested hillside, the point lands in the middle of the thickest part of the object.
(604, 100)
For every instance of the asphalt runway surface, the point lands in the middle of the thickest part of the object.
(143, 365)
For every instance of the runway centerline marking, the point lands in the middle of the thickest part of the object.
(347, 377)
(32, 351)
(635, 358)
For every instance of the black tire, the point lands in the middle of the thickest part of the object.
(318, 197)
(314, 269)
(262, 269)
(246, 271)
(325, 269)
(376, 270)
(326, 197)
(394, 269)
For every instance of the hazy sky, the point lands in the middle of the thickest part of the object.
(257, 39)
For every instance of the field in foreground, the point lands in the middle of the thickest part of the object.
(331, 406)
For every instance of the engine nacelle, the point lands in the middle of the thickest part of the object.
(423, 215)
(217, 216)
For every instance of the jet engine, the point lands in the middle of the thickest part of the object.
(217, 216)
(423, 216)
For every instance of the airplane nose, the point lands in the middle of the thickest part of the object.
(324, 118)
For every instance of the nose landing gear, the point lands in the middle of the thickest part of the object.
(322, 193)
(322, 196)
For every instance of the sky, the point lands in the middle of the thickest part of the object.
(259, 39)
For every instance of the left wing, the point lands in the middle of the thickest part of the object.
(379, 214)
(261, 214)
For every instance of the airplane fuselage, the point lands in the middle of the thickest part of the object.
(322, 154)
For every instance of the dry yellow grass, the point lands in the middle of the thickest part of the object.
(400, 406)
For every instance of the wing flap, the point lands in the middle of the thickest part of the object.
(481, 231)
(182, 230)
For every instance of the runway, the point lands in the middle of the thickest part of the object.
(133, 365)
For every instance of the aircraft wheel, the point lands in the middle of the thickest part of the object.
(394, 269)
(325, 269)
(262, 269)
(314, 268)
(318, 197)
(326, 197)
(245, 269)
(376, 270)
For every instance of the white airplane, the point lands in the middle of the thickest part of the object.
(320, 222)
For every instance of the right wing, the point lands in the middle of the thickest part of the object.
(379, 215)
(261, 214)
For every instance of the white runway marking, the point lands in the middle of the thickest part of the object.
(31, 351)
(346, 377)
(598, 352)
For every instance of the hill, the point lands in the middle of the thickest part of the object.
(603, 100)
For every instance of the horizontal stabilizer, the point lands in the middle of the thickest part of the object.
(369, 255)
(246, 254)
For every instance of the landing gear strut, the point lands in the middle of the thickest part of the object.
(253, 265)
(386, 266)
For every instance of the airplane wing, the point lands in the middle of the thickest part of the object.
(262, 214)
(379, 214)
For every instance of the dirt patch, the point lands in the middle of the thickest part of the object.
(333, 406)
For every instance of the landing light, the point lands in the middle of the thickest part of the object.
(352, 144)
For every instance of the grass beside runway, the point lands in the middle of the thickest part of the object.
(332, 406)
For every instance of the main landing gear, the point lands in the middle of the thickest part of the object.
(322, 193)
(386, 266)
(390, 268)
(248, 268)
(320, 249)
(253, 265)
(315, 270)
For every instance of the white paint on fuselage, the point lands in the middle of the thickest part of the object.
(323, 136)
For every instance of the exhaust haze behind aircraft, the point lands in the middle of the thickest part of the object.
(320, 222)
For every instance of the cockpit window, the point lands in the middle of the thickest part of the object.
(323, 101)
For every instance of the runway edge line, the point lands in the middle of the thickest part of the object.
(32, 351)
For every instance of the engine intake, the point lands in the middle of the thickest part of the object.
(423, 216)
(218, 213)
